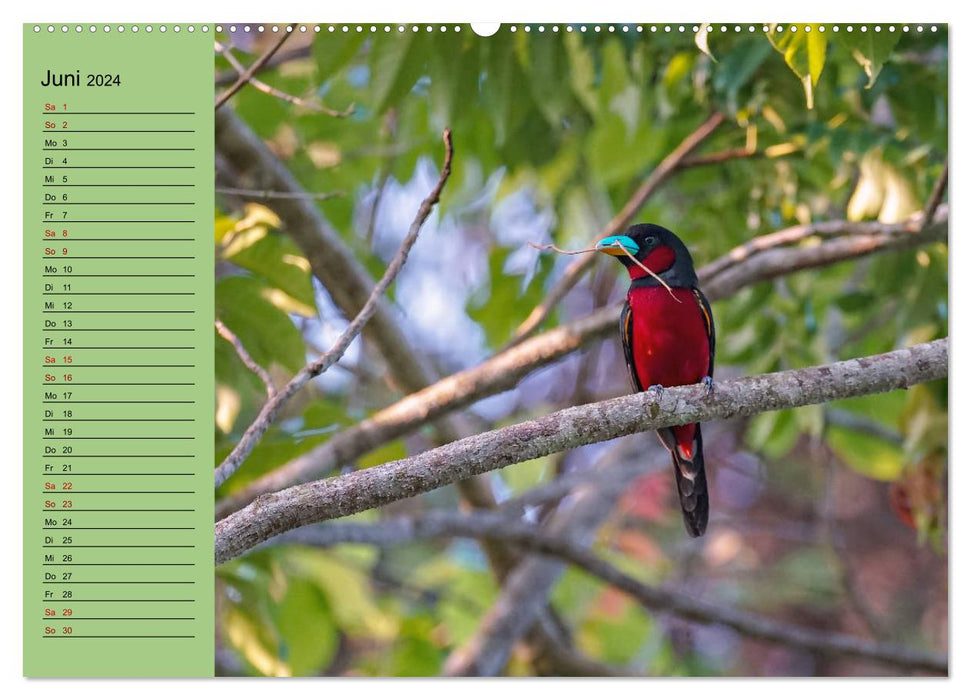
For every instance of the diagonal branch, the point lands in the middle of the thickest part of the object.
(247, 359)
(333, 498)
(937, 196)
(763, 258)
(313, 369)
(248, 74)
(497, 526)
(279, 94)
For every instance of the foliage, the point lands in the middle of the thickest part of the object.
(553, 132)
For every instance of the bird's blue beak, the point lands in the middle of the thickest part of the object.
(616, 245)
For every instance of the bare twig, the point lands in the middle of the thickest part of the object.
(720, 157)
(247, 359)
(937, 196)
(280, 94)
(504, 370)
(499, 527)
(272, 407)
(295, 53)
(247, 75)
(332, 498)
(269, 194)
(577, 269)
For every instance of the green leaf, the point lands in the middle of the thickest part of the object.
(773, 433)
(336, 51)
(282, 265)
(306, 625)
(267, 333)
(870, 49)
(396, 63)
(804, 51)
(867, 454)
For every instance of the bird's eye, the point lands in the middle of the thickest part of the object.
(649, 241)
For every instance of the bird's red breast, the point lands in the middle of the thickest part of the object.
(670, 344)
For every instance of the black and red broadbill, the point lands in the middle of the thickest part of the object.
(669, 340)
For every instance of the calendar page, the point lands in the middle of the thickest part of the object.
(395, 350)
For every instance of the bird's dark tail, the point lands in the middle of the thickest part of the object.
(689, 474)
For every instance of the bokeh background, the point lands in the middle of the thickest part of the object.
(831, 517)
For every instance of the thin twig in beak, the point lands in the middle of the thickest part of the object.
(550, 246)
(648, 271)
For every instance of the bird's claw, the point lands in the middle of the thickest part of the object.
(656, 391)
(709, 386)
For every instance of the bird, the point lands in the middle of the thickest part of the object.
(668, 336)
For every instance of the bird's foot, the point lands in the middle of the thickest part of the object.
(656, 391)
(709, 386)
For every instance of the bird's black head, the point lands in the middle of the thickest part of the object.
(656, 248)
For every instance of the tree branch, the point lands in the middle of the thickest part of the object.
(496, 526)
(248, 74)
(332, 498)
(346, 280)
(849, 241)
(313, 369)
(279, 94)
(267, 194)
(332, 262)
(937, 196)
(247, 359)
(504, 370)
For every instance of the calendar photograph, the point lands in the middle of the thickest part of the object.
(463, 285)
